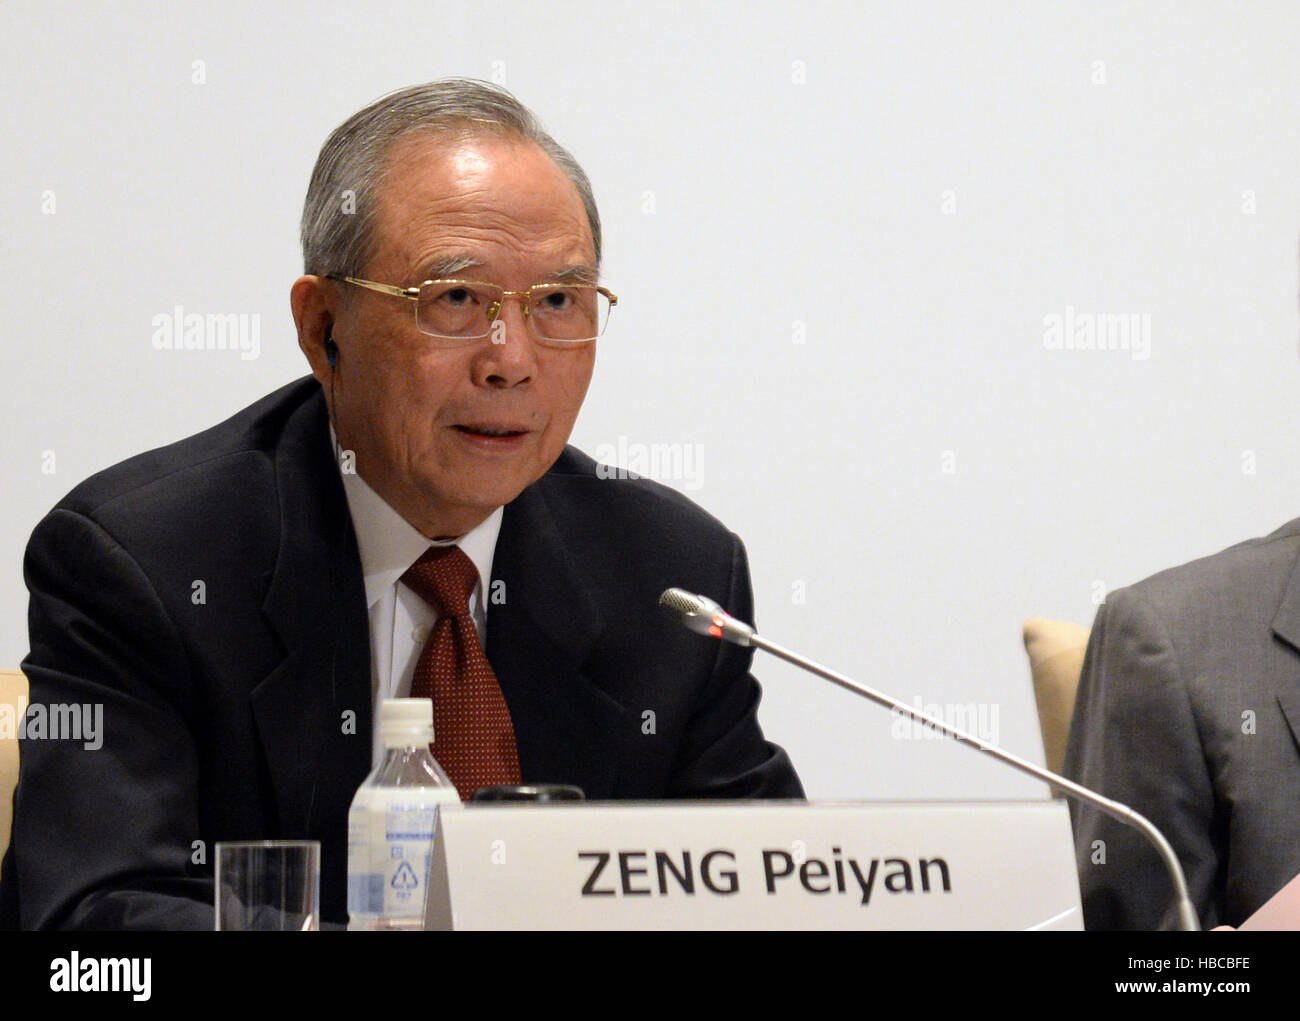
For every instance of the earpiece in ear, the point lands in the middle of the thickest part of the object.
(331, 349)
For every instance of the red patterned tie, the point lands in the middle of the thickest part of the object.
(473, 737)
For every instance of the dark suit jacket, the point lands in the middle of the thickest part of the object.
(209, 595)
(1189, 711)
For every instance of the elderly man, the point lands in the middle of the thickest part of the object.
(240, 601)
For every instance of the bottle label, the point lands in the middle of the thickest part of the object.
(390, 845)
(409, 839)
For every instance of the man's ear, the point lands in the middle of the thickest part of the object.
(312, 300)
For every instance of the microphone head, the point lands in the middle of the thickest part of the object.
(703, 616)
(681, 601)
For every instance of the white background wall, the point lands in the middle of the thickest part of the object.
(918, 184)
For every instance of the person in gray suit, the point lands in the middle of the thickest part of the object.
(1189, 712)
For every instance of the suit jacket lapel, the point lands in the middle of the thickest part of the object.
(542, 626)
(316, 604)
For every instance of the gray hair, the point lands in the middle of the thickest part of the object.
(338, 229)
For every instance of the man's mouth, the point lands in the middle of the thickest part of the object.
(496, 432)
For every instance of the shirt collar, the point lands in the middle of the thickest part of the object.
(389, 544)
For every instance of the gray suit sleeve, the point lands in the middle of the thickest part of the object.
(1134, 738)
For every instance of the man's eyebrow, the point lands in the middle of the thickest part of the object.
(445, 266)
(451, 265)
(576, 274)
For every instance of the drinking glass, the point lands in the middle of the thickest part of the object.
(268, 885)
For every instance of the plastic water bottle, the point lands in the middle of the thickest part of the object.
(391, 822)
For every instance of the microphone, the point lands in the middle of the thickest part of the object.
(703, 616)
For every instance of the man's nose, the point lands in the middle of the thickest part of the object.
(509, 355)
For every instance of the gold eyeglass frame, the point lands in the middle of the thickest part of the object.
(493, 310)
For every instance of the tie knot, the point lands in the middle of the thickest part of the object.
(443, 577)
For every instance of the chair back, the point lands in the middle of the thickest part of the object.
(13, 704)
(1055, 649)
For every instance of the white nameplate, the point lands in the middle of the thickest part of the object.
(755, 865)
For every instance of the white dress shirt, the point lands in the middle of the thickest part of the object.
(400, 621)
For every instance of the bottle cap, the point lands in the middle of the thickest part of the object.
(406, 721)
